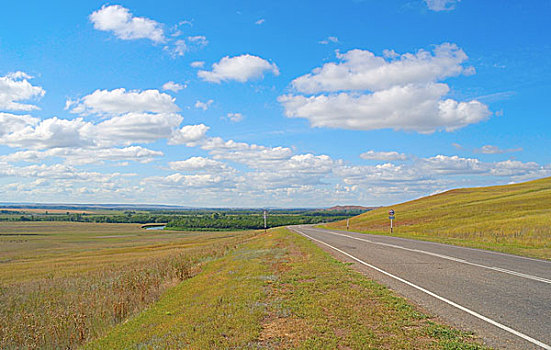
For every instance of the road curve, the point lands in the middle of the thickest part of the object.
(504, 299)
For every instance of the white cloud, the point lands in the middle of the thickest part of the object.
(120, 101)
(366, 92)
(179, 48)
(408, 108)
(50, 133)
(441, 5)
(188, 134)
(203, 105)
(79, 156)
(137, 128)
(490, 149)
(453, 165)
(235, 117)
(15, 87)
(330, 39)
(174, 87)
(260, 21)
(11, 122)
(126, 129)
(515, 168)
(386, 156)
(239, 68)
(252, 155)
(198, 164)
(125, 26)
(198, 40)
(362, 70)
(135, 117)
(195, 181)
(197, 64)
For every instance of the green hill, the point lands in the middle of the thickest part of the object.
(512, 218)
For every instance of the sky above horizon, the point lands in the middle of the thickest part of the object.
(271, 103)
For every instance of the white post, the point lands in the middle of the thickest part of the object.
(390, 225)
(347, 224)
(265, 215)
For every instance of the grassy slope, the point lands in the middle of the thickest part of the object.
(513, 218)
(279, 290)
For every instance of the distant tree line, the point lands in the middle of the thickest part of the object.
(244, 222)
(241, 219)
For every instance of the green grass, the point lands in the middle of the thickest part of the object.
(63, 284)
(280, 291)
(513, 219)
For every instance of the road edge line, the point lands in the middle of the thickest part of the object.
(426, 291)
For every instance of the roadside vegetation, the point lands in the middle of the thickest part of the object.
(280, 291)
(513, 219)
(67, 285)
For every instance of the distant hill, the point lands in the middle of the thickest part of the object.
(518, 214)
(348, 207)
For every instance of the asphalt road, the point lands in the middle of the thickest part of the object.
(504, 299)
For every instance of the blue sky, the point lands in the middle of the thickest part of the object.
(263, 103)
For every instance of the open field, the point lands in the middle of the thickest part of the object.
(514, 219)
(68, 284)
(62, 284)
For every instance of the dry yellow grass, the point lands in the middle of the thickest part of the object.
(513, 218)
(62, 284)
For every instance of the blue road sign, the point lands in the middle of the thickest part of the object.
(391, 217)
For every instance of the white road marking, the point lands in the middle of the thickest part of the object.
(449, 302)
(510, 272)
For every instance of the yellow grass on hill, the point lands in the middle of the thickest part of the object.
(512, 218)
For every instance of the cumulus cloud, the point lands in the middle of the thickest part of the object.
(15, 87)
(120, 101)
(408, 108)
(11, 122)
(239, 68)
(203, 105)
(174, 87)
(260, 21)
(50, 133)
(367, 92)
(136, 128)
(386, 156)
(252, 155)
(194, 164)
(188, 134)
(79, 156)
(131, 117)
(491, 149)
(442, 164)
(235, 117)
(363, 70)
(125, 26)
(195, 181)
(441, 5)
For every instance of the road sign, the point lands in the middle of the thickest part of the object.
(391, 217)
(391, 212)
